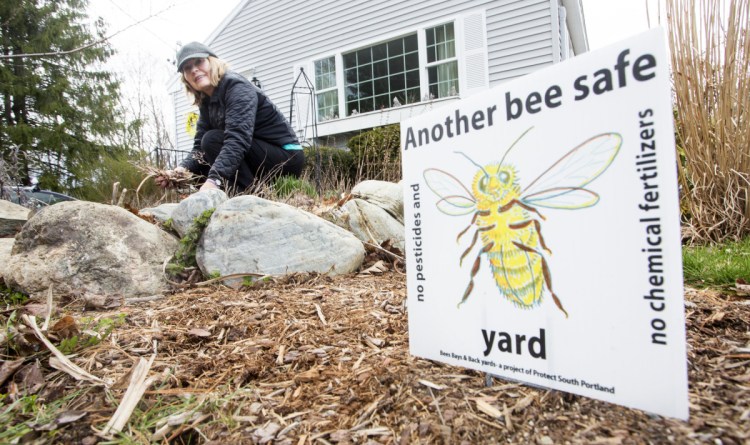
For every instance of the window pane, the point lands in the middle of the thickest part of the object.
(412, 96)
(328, 106)
(379, 52)
(381, 85)
(325, 73)
(365, 89)
(410, 43)
(352, 92)
(351, 106)
(350, 60)
(441, 43)
(412, 61)
(364, 72)
(396, 65)
(412, 79)
(443, 79)
(382, 102)
(380, 69)
(398, 82)
(373, 81)
(351, 75)
(364, 56)
(366, 105)
(395, 47)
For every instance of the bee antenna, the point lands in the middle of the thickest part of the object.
(514, 144)
(470, 160)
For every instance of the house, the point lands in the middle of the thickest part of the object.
(373, 63)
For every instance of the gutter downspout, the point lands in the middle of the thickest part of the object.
(576, 25)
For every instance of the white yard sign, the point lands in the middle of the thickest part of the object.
(542, 230)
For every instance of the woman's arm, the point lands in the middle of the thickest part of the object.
(241, 106)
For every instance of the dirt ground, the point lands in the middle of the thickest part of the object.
(313, 359)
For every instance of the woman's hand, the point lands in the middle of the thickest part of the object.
(209, 185)
(165, 179)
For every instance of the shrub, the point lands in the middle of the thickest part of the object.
(377, 153)
(337, 168)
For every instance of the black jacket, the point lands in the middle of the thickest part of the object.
(243, 112)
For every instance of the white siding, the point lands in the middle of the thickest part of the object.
(182, 107)
(274, 36)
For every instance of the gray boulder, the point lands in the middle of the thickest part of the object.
(247, 234)
(386, 195)
(85, 247)
(160, 213)
(12, 218)
(6, 245)
(193, 206)
(370, 223)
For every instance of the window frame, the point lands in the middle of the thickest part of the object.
(334, 88)
(448, 60)
(421, 32)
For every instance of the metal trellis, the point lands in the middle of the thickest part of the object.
(303, 88)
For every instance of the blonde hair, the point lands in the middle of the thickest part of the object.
(216, 70)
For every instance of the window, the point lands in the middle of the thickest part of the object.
(327, 94)
(382, 76)
(414, 67)
(442, 65)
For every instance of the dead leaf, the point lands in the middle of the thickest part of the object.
(29, 378)
(70, 417)
(376, 269)
(8, 368)
(65, 327)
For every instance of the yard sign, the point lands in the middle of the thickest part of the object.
(542, 230)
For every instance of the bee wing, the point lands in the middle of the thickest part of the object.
(562, 184)
(455, 199)
(563, 198)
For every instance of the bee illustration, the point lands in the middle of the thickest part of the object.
(507, 219)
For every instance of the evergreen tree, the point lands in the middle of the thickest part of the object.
(58, 107)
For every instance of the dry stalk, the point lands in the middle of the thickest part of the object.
(710, 49)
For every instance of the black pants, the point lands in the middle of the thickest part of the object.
(265, 161)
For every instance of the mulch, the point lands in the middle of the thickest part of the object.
(312, 359)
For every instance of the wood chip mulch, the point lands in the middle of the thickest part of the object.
(311, 359)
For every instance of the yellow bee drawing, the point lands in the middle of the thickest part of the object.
(506, 216)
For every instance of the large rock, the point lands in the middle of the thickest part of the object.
(370, 223)
(248, 234)
(386, 195)
(6, 245)
(81, 246)
(12, 218)
(193, 206)
(160, 213)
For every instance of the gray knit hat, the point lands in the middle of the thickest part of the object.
(192, 50)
